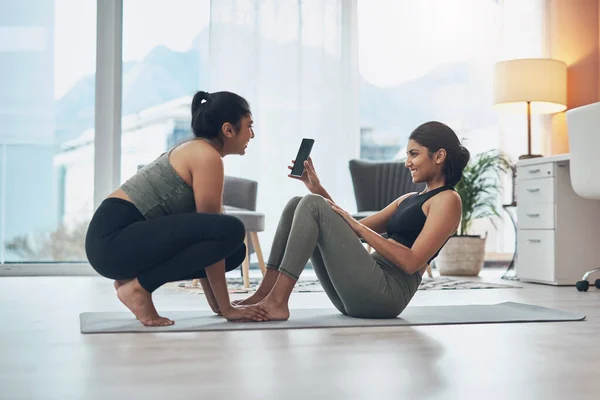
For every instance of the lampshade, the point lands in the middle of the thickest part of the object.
(543, 82)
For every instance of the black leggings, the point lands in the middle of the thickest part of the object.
(121, 244)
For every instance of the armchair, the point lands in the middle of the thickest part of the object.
(378, 183)
(239, 200)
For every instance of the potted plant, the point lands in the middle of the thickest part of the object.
(479, 190)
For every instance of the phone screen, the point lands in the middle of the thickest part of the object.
(303, 153)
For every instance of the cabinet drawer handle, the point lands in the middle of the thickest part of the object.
(534, 240)
(534, 171)
(533, 214)
(533, 190)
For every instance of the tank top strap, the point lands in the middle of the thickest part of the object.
(426, 196)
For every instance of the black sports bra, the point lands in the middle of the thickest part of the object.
(405, 225)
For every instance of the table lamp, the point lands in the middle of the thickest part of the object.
(540, 83)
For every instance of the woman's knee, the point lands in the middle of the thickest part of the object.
(233, 229)
(315, 204)
(291, 205)
(231, 262)
(312, 200)
(236, 259)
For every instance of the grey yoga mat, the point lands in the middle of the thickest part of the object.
(190, 321)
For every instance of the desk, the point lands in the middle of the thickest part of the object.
(558, 232)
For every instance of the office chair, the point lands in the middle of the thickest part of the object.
(583, 125)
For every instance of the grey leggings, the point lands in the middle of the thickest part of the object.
(356, 283)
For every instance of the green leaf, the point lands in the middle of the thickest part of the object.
(480, 188)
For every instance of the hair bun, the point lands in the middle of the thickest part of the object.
(199, 97)
(203, 95)
(465, 155)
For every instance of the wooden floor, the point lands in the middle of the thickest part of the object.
(44, 356)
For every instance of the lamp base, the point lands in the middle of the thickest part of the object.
(528, 156)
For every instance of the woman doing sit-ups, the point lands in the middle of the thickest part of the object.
(361, 284)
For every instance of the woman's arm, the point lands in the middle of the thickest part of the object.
(442, 221)
(321, 191)
(375, 222)
(218, 284)
(207, 183)
(310, 179)
(210, 296)
(208, 175)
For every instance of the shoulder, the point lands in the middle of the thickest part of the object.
(448, 200)
(197, 154)
(195, 160)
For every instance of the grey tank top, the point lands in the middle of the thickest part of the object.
(157, 190)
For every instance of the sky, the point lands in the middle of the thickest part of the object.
(146, 24)
(399, 40)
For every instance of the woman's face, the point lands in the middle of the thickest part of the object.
(244, 134)
(422, 167)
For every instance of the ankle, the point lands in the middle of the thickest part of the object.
(276, 298)
(262, 291)
(136, 287)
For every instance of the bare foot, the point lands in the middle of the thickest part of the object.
(277, 310)
(140, 303)
(121, 282)
(256, 298)
(266, 285)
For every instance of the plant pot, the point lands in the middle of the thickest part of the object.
(461, 255)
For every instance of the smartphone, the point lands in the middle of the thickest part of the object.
(303, 153)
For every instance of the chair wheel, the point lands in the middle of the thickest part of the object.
(597, 283)
(582, 286)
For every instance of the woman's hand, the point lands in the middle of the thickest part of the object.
(354, 224)
(210, 296)
(246, 313)
(309, 176)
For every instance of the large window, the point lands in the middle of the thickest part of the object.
(284, 57)
(422, 61)
(305, 67)
(164, 64)
(434, 60)
(47, 64)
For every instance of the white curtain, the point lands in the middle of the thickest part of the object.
(295, 61)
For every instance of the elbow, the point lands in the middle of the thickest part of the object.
(405, 258)
(410, 264)
(413, 268)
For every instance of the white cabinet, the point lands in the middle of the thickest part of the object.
(558, 232)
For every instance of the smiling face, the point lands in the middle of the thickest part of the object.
(236, 143)
(423, 165)
(245, 133)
